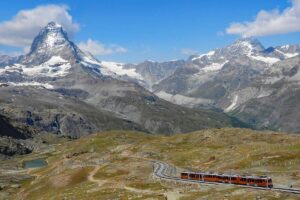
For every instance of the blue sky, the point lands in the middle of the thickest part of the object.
(136, 30)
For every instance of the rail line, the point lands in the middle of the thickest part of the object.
(160, 169)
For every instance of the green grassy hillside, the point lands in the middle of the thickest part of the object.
(116, 165)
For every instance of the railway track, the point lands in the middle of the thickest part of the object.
(160, 171)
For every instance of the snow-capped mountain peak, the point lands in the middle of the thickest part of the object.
(52, 55)
(246, 46)
(51, 36)
(249, 47)
(51, 41)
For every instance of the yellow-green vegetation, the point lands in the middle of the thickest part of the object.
(117, 165)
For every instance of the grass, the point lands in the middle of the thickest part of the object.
(124, 160)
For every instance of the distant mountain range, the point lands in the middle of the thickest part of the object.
(258, 85)
(57, 88)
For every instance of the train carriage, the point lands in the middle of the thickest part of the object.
(256, 181)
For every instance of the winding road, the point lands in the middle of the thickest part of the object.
(160, 171)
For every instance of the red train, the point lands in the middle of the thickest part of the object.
(257, 181)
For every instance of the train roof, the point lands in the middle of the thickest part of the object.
(230, 175)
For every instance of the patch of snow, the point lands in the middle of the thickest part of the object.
(285, 47)
(54, 38)
(264, 93)
(268, 60)
(233, 104)
(209, 55)
(13, 68)
(54, 67)
(287, 55)
(290, 55)
(109, 68)
(213, 67)
(245, 45)
(47, 70)
(55, 60)
(46, 85)
(182, 100)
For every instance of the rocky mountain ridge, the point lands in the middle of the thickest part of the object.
(229, 79)
(57, 88)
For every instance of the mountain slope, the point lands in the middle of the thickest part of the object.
(276, 106)
(243, 75)
(56, 73)
(117, 164)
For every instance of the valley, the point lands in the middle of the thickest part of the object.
(117, 164)
(76, 125)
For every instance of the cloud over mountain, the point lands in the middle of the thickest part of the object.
(98, 49)
(270, 22)
(21, 29)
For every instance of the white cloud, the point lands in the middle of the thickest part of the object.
(187, 51)
(25, 25)
(270, 22)
(120, 49)
(98, 49)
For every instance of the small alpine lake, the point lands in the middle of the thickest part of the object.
(36, 163)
